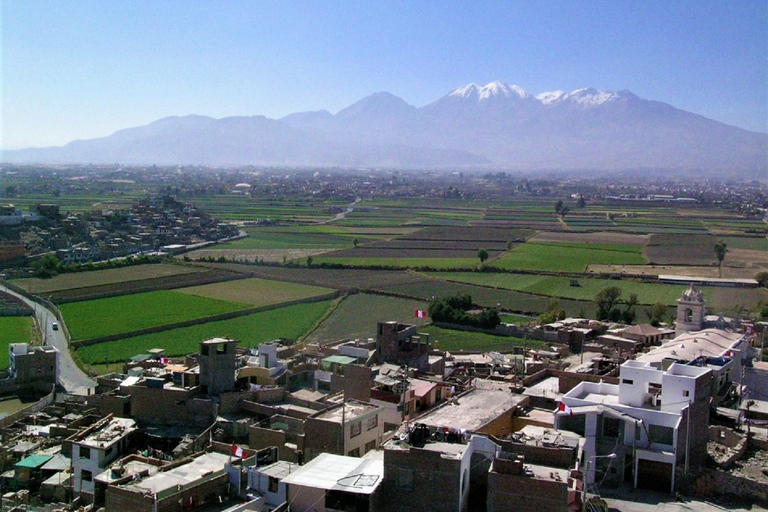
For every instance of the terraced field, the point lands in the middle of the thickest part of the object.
(454, 341)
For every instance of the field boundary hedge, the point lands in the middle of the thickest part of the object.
(199, 321)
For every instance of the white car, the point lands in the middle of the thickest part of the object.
(55, 326)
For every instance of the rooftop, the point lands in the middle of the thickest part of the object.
(348, 411)
(472, 409)
(183, 475)
(339, 473)
(689, 346)
(109, 434)
(279, 469)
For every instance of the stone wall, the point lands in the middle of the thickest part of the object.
(712, 482)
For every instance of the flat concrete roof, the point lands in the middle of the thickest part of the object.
(472, 410)
(110, 434)
(351, 411)
(279, 469)
(181, 475)
(339, 473)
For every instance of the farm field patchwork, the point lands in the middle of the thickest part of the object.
(489, 297)
(103, 277)
(458, 262)
(647, 293)
(599, 237)
(13, 329)
(568, 257)
(101, 317)
(358, 314)
(255, 291)
(663, 249)
(326, 277)
(289, 322)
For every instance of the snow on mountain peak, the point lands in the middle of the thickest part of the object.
(491, 90)
(550, 96)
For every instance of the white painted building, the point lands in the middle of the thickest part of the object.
(96, 448)
(641, 429)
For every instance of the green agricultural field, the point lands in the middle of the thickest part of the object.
(289, 322)
(13, 329)
(102, 277)
(357, 315)
(489, 297)
(92, 318)
(740, 242)
(509, 318)
(402, 262)
(453, 341)
(255, 292)
(554, 257)
(647, 293)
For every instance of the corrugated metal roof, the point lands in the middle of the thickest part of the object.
(33, 461)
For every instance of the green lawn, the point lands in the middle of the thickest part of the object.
(13, 329)
(357, 316)
(92, 318)
(570, 257)
(452, 341)
(288, 322)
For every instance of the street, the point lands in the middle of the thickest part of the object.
(73, 379)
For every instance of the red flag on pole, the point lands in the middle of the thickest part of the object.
(237, 451)
(420, 313)
(564, 408)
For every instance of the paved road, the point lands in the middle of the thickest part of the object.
(71, 377)
(339, 216)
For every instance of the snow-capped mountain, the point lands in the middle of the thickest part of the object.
(491, 126)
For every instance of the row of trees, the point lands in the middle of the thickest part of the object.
(49, 265)
(455, 310)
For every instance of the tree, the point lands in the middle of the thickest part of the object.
(564, 211)
(658, 311)
(559, 207)
(509, 248)
(47, 266)
(355, 242)
(720, 249)
(606, 300)
(482, 254)
(582, 203)
(309, 261)
(762, 278)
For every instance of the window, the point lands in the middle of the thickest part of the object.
(373, 422)
(355, 428)
(627, 381)
(273, 484)
(354, 453)
(438, 394)
(661, 435)
(611, 427)
(404, 479)
(85, 452)
(686, 393)
(370, 445)
(86, 476)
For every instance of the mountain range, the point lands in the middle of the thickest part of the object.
(492, 126)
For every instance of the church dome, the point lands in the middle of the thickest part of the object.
(692, 295)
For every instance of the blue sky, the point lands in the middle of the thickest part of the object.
(82, 69)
